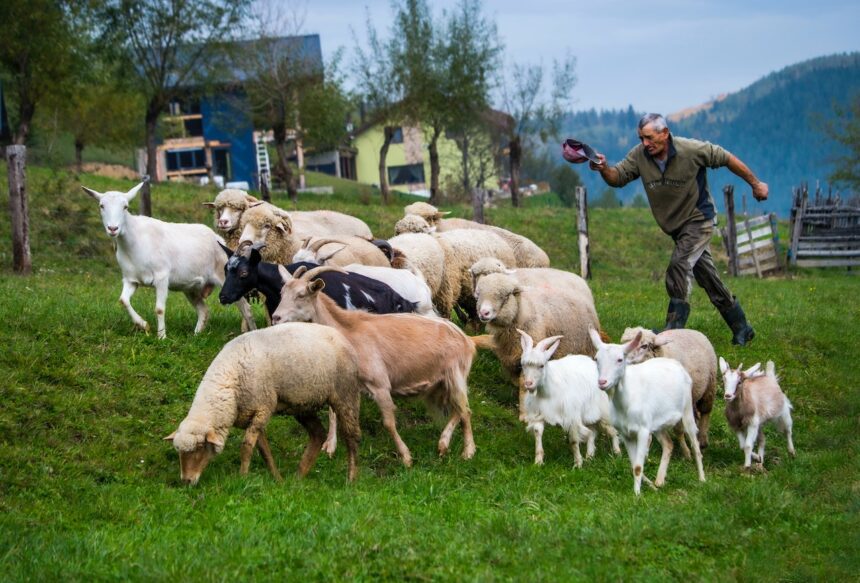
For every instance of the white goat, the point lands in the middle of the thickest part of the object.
(564, 393)
(167, 256)
(646, 398)
(753, 399)
(410, 286)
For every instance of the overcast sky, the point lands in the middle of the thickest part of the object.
(659, 56)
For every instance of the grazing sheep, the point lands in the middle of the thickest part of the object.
(563, 392)
(439, 375)
(545, 277)
(231, 203)
(341, 251)
(652, 397)
(527, 253)
(694, 351)
(294, 369)
(751, 401)
(425, 254)
(166, 256)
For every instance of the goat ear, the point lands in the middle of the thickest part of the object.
(526, 341)
(215, 439)
(316, 285)
(256, 256)
(93, 193)
(170, 437)
(724, 366)
(595, 338)
(633, 344)
(550, 345)
(752, 369)
(131, 193)
(323, 258)
(226, 249)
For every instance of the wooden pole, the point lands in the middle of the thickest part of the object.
(478, 205)
(582, 227)
(731, 230)
(16, 160)
(798, 225)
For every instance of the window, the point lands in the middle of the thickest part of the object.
(410, 174)
(193, 127)
(397, 136)
(185, 159)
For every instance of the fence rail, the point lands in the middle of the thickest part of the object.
(824, 232)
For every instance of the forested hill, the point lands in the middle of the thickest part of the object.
(776, 126)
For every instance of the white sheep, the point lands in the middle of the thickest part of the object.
(652, 397)
(752, 400)
(545, 277)
(294, 369)
(696, 353)
(564, 393)
(166, 256)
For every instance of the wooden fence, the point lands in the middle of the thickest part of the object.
(752, 243)
(824, 231)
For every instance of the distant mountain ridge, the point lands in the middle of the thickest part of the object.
(776, 125)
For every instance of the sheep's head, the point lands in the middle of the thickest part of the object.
(413, 224)
(229, 206)
(260, 221)
(298, 296)
(113, 206)
(486, 266)
(733, 378)
(197, 445)
(648, 345)
(497, 298)
(535, 357)
(611, 359)
(426, 211)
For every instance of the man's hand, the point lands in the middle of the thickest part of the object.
(602, 165)
(760, 191)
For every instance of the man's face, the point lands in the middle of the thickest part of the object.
(656, 143)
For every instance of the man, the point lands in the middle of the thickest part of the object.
(673, 171)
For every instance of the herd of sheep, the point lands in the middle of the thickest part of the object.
(342, 305)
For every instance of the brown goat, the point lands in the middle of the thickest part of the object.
(380, 340)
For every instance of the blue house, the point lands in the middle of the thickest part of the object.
(210, 135)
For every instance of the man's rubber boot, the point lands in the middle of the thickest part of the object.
(676, 316)
(736, 319)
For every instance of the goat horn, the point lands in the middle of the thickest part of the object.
(316, 272)
(318, 244)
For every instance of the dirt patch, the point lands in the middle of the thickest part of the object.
(110, 170)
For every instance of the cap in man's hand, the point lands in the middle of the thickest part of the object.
(577, 152)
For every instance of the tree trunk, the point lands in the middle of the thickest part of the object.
(435, 168)
(282, 168)
(26, 110)
(79, 156)
(515, 159)
(464, 151)
(388, 135)
(16, 160)
(153, 111)
(478, 204)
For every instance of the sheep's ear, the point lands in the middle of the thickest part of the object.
(509, 271)
(595, 338)
(316, 285)
(210, 205)
(633, 344)
(131, 193)
(215, 439)
(526, 341)
(724, 366)
(517, 290)
(752, 369)
(660, 341)
(285, 275)
(251, 200)
(253, 204)
(285, 226)
(226, 249)
(170, 437)
(93, 193)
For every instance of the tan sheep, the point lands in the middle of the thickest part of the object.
(695, 353)
(295, 369)
(341, 251)
(545, 277)
(422, 254)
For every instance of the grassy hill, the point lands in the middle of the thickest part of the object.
(88, 489)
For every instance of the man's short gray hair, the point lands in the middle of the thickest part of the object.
(654, 119)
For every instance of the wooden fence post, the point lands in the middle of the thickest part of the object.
(582, 227)
(478, 204)
(798, 223)
(16, 160)
(731, 236)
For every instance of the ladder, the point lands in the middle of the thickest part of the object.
(264, 173)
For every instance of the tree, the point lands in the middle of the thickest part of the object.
(608, 200)
(846, 131)
(639, 201)
(170, 45)
(565, 180)
(534, 115)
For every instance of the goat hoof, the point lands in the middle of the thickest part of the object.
(443, 449)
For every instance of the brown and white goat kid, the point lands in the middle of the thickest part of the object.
(753, 399)
(438, 375)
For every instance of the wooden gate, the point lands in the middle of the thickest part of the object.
(751, 242)
(824, 231)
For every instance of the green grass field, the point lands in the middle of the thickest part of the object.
(89, 491)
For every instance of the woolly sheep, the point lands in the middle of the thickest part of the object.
(545, 277)
(694, 351)
(645, 399)
(295, 369)
(426, 254)
(166, 256)
(563, 392)
(752, 400)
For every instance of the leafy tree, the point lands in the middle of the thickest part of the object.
(608, 200)
(534, 115)
(846, 131)
(565, 180)
(170, 45)
(639, 201)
